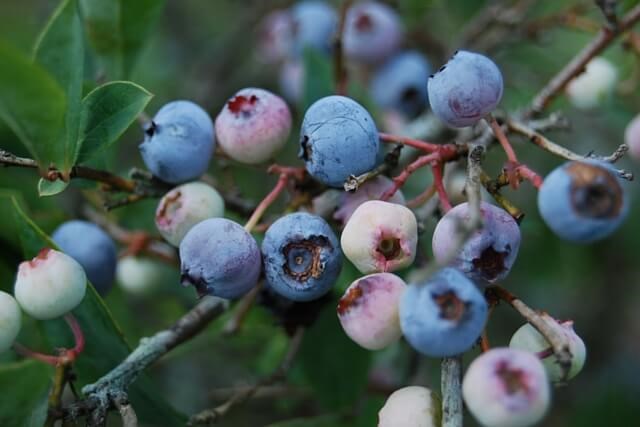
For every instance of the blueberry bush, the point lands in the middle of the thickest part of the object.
(403, 213)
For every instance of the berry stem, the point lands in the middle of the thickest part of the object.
(415, 143)
(423, 197)
(436, 169)
(399, 180)
(285, 173)
(77, 335)
(27, 352)
(502, 139)
(234, 323)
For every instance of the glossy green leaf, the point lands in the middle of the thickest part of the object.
(105, 345)
(51, 188)
(118, 30)
(318, 77)
(33, 105)
(25, 387)
(107, 112)
(60, 51)
(328, 358)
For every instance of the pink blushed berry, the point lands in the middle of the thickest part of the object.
(380, 237)
(506, 387)
(368, 310)
(370, 190)
(253, 125)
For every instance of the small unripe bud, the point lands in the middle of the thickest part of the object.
(50, 285)
(138, 275)
(592, 87)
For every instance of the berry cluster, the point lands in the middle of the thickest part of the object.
(440, 312)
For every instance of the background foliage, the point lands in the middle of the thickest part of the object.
(202, 51)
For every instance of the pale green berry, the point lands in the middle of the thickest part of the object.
(10, 321)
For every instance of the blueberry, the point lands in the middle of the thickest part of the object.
(338, 139)
(583, 201)
(444, 315)
(178, 142)
(371, 190)
(401, 84)
(218, 257)
(10, 321)
(380, 236)
(185, 206)
(490, 252)
(368, 310)
(589, 89)
(506, 387)
(275, 36)
(314, 26)
(138, 275)
(372, 32)
(92, 248)
(50, 285)
(253, 125)
(529, 339)
(411, 406)
(466, 89)
(302, 257)
(632, 137)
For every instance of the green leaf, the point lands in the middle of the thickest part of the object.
(60, 51)
(118, 30)
(105, 345)
(328, 357)
(25, 394)
(33, 105)
(51, 188)
(107, 112)
(318, 77)
(321, 421)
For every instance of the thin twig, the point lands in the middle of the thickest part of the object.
(577, 65)
(340, 70)
(451, 387)
(209, 416)
(241, 310)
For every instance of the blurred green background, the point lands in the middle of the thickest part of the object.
(205, 51)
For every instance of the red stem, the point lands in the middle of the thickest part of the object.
(436, 169)
(416, 143)
(502, 138)
(27, 352)
(399, 180)
(422, 197)
(77, 335)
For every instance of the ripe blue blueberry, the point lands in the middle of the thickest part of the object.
(178, 142)
(218, 257)
(338, 138)
(583, 201)
(314, 26)
(372, 32)
(401, 84)
(444, 315)
(466, 89)
(92, 248)
(490, 252)
(253, 125)
(302, 257)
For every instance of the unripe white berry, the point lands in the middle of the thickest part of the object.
(185, 206)
(380, 237)
(411, 406)
(529, 339)
(50, 285)
(10, 321)
(138, 275)
(590, 88)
